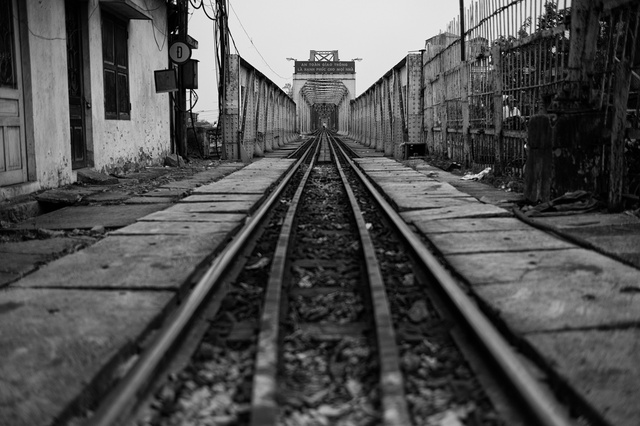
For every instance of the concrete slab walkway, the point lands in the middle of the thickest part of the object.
(575, 311)
(68, 325)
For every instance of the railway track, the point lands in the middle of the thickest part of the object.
(315, 313)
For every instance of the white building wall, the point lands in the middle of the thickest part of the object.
(50, 146)
(117, 144)
(145, 138)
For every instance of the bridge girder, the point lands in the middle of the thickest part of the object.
(324, 91)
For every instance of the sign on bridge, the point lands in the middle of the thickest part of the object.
(325, 67)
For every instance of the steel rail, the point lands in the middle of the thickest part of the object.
(129, 390)
(264, 406)
(546, 410)
(302, 146)
(394, 404)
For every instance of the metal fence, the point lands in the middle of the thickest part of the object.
(480, 90)
(512, 62)
(616, 90)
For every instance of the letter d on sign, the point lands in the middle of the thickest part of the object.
(179, 52)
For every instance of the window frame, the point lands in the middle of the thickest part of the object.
(115, 68)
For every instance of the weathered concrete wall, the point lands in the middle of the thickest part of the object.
(113, 144)
(49, 88)
(145, 138)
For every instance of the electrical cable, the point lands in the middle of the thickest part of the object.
(26, 24)
(234, 42)
(153, 25)
(151, 10)
(204, 9)
(192, 104)
(254, 46)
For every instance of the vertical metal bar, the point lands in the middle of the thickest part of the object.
(461, 28)
(513, 14)
(533, 22)
(489, 23)
(505, 19)
(492, 21)
(508, 15)
(499, 32)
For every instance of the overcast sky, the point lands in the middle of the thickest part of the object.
(381, 32)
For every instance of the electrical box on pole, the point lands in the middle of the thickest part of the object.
(190, 74)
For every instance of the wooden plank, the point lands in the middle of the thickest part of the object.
(441, 189)
(387, 177)
(404, 203)
(601, 365)
(570, 267)
(86, 217)
(381, 167)
(175, 228)
(406, 173)
(376, 160)
(170, 215)
(160, 266)
(497, 241)
(149, 200)
(68, 337)
(616, 151)
(215, 207)
(470, 225)
(555, 303)
(163, 245)
(539, 166)
(210, 198)
(588, 219)
(585, 30)
(467, 211)
(235, 186)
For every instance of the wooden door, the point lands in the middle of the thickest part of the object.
(13, 167)
(76, 89)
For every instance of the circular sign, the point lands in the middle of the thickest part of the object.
(179, 52)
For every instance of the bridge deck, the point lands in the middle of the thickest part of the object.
(66, 328)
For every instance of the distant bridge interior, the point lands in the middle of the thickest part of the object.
(323, 88)
(504, 85)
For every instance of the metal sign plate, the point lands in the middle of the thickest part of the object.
(325, 67)
(179, 52)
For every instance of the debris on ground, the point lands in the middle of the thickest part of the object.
(575, 202)
(477, 176)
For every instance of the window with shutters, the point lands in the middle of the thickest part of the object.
(115, 57)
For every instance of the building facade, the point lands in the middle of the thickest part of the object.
(77, 89)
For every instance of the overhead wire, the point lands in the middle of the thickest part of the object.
(153, 25)
(14, 14)
(254, 46)
(214, 19)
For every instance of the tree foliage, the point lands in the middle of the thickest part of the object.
(288, 88)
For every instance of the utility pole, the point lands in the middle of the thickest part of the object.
(462, 30)
(181, 96)
(226, 118)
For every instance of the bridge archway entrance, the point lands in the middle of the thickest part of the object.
(323, 87)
